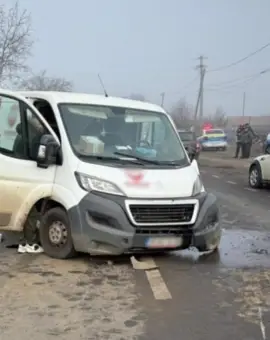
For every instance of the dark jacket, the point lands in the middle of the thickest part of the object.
(238, 134)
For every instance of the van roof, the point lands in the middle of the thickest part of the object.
(85, 98)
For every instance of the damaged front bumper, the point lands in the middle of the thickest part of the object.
(100, 224)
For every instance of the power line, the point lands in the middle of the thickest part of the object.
(241, 60)
(247, 79)
(232, 81)
(163, 94)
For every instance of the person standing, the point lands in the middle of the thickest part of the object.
(250, 136)
(247, 138)
(238, 141)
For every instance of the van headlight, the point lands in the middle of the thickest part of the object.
(90, 183)
(197, 187)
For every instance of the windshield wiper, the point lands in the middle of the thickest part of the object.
(132, 155)
(150, 161)
(111, 158)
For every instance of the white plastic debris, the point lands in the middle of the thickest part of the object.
(145, 264)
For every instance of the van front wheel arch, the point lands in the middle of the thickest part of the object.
(55, 234)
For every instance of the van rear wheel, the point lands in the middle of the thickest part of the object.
(55, 234)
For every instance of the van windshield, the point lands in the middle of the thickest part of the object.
(110, 132)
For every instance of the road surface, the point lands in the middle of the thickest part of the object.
(219, 296)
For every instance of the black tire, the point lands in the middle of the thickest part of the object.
(64, 249)
(255, 177)
(206, 248)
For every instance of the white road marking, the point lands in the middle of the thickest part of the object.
(216, 176)
(250, 189)
(157, 284)
(262, 326)
(231, 182)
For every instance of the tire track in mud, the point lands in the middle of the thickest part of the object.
(251, 290)
(70, 299)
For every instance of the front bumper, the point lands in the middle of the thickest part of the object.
(100, 225)
(214, 146)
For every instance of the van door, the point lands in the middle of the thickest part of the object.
(265, 165)
(22, 183)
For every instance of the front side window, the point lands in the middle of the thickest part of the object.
(20, 129)
(35, 129)
(113, 132)
(11, 143)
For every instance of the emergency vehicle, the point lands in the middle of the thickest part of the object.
(100, 175)
(213, 138)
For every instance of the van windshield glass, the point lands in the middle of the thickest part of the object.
(108, 131)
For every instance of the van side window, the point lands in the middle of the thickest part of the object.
(35, 129)
(153, 133)
(20, 129)
(11, 136)
(47, 112)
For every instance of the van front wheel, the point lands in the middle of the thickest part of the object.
(55, 234)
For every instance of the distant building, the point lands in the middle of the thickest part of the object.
(260, 124)
(259, 121)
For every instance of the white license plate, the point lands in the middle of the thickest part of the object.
(164, 242)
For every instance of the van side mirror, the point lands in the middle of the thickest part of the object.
(47, 151)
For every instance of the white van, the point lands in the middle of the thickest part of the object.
(101, 175)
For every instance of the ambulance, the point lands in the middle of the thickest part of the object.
(100, 175)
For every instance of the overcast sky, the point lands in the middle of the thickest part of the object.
(151, 46)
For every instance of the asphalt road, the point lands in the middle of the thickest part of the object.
(213, 296)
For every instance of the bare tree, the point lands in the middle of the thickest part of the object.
(15, 41)
(220, 118)
(137, 96)
(42, 82)
(182, 114)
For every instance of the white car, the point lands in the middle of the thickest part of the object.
(259, 171)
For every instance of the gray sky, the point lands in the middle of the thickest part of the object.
(150, 46)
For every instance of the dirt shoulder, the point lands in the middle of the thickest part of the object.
(223, 160)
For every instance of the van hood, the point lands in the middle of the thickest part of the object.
(146, 183)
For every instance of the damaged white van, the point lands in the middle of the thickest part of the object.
(99, 175)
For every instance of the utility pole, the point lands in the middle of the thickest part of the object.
(244, 104)
(202, 70)
(162, 98)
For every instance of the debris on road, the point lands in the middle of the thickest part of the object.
(144, 264)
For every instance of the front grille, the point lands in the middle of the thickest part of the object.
(159, 214)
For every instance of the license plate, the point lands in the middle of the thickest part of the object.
(164, 242)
